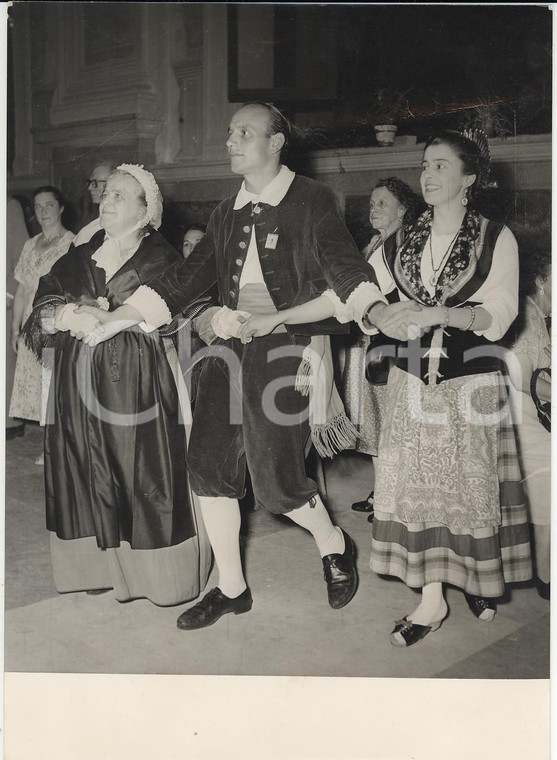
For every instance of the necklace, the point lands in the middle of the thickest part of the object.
(435, 276)
(50, 239)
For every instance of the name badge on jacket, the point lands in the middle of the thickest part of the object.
(272, 240)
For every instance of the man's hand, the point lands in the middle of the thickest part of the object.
(394, 320)
(257, 325)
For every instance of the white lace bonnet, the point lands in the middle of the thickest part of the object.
(153, 195)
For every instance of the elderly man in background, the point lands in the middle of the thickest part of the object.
(96, 184)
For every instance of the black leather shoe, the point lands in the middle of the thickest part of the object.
(483, 609)
(14, 432)
(544, 589)
(339, 571)
(364, 506)
(212, 607)
(405, 633)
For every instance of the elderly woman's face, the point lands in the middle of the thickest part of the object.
(122, 205)
(47, 210)
(385, 211)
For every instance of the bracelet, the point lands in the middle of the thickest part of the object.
(472, 317)
(447, 316)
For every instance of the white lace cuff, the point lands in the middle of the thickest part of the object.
(67, 319)
(152, 308)
(342, 313)
(359, 301)
(202, 325)
(225, 322)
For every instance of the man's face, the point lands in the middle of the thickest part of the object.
(97, 182)
(249, 144)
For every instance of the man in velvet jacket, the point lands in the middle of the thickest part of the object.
(274, 248)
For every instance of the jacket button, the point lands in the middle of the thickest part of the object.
(247, 228)
(235, 277)
(239, 262)
(242, 244)
(232, 293)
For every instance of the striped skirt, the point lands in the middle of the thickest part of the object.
(478, 559)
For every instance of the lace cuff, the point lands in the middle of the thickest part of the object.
(359, 301)
(225, 322)
(152, 308)
(202, 325)
(342, 313)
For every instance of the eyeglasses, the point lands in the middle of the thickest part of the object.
(95, 182)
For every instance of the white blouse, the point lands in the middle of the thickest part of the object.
(498, 295)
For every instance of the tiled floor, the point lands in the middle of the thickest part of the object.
(291, 630)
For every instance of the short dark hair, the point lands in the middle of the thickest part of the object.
(404, 195)
(52, 190)
(469, 153)
(278, 123)
(200, 227)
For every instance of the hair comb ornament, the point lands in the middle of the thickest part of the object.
(480, 138)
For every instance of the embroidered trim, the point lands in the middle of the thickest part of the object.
(459, 267)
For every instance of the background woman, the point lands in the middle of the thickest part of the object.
(393, 204)
(37, 257)
(448, 506)
(119, 508)
(532, 350)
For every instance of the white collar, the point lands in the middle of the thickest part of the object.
(273, 193)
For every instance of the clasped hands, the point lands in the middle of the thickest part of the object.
(406, 320)
(90, 324)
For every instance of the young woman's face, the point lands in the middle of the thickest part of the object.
(191, 239)
(122, 205)
(385, 211)
(47, 210)
(443, 180)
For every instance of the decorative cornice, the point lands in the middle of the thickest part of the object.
(520, 149)
(516, 150)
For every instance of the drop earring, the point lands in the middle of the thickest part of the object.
(464, 200)
(542, 290)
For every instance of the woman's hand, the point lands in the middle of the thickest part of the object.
(257, 325)
(102, 316)
(394, 320)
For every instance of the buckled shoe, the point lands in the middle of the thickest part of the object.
(339, 571)
(484, 609)
(212, 607)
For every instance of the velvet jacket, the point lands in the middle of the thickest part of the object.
(313, 251)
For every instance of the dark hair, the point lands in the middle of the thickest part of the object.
(404, 195)
(473, 161)
(200, 227)
(52, 190)
(278, 123)
(534, 255)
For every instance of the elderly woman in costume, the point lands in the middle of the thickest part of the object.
(119, 508)
(449, 507)
(393, 205)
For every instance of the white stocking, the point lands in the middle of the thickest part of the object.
(329, 538)
(222, 519)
